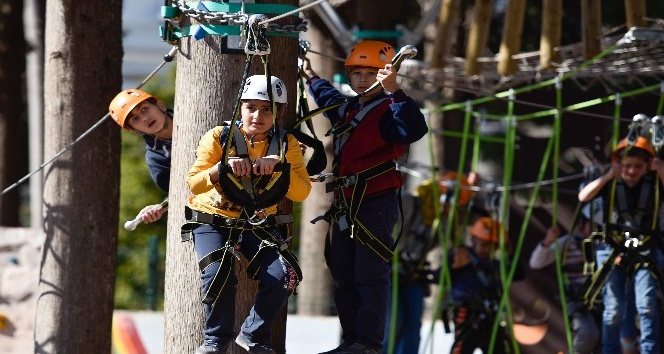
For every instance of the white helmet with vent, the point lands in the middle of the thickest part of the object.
(255, 88)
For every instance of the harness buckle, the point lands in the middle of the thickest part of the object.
(234, 252)
(349, 180)
(259, 217)
(321, 177)
(631, 242)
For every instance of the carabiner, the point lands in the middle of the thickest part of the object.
(258, 218)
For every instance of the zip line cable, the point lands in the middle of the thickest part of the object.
(264, 22)
(167, 58)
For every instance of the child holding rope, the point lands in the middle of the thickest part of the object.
(632, 247)
(222, 227)
(140, 112)
(371, 132)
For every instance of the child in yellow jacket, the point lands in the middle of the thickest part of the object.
(224, 225)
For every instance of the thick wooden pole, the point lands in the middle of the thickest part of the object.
(552, 15)
(477, 38)
(445, 33)
(591, 31)
(511, 41)
(635, 12)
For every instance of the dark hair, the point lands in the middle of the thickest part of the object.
(638, 152)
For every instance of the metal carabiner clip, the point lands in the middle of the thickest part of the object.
(258, 218)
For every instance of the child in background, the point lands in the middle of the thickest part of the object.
(140, 112)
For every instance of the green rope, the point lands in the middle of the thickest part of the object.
(474, 136)
(590, 103)
(507, 93)
(504, 301)
(555, 168)
(616, 121)
(444, 278)
(504, 213)
(660, 105)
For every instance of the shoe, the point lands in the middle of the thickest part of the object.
(357, 348)
(211, 347)
(338, 349)
(253, 348)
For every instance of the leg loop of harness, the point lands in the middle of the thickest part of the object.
(224, 256)
(268, 241)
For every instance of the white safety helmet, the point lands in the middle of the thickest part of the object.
(255, 88)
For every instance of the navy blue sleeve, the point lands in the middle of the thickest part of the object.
(404, 123)
(159, 165)
(324, 94)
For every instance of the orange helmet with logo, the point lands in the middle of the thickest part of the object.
(486, 229)
(447, 182)
(641, 143)
(124, 102)
(374, 54)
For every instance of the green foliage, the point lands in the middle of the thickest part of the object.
(133, 283)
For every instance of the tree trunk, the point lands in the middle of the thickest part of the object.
(12, 107)
(206, 87)
(81, 189)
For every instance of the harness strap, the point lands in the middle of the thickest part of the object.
(199, 217)
(633, 216)
(346, 215)
(282, 248)
(342, 131)
(223, 255)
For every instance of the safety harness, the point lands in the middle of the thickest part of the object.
(252, 194)
(631, 244)
(344, 210)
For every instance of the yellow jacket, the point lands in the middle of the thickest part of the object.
(209, 198)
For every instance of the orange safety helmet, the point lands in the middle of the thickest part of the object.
(448, 180)
(486, 229)
(373, 54)
(641, 143)
(124, 102)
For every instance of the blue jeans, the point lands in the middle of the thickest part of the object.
(410, 307)
(272, 291)
(584, 326)
(362, 277)
(614, 295)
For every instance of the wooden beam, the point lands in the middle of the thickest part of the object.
(635, 12)
(511, 41)
(445, 33)
(477, 37)
(591, 27)
(552, 15)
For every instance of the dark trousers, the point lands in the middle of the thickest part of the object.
(272, 290)
(362, 277)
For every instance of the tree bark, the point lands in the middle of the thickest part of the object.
(12, 106)
(81, 189)
(206, 87)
